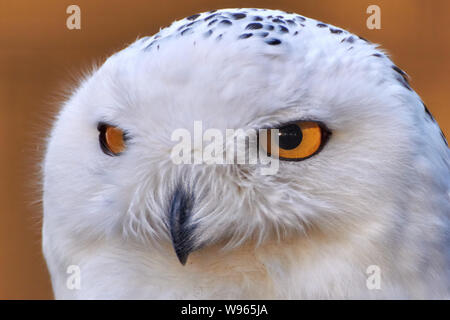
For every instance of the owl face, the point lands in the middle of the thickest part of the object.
(109, 172)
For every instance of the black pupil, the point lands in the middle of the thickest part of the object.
(290, 136)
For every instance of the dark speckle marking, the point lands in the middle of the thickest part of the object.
(336, 31)
(191, 23)
(225, 23)
(257, 18)
(186, 31)
(269, 27)
(428, 112)
(278, 20)
(219, 37)
(181, 27)
(263, 34)
(291, 22)
(295, 33)
(245, 35)
(300, 18)
(403, 82)
(283, 29)
(322, 25)
(212, 22)
(273, 41)
(193, 17)
(364, 39)
(211, 16)
(254, 26)
(430, 116)
(404, 77)
(208, 33)
(238, 16)
(348, 39)
(397, 69)
(444, 138)
(378, 55)
(149, 46)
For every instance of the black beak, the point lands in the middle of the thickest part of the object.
(181, 230)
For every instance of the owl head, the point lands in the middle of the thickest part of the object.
(357, 147)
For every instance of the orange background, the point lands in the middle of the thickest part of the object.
(39, 57)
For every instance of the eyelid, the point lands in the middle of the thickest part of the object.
(279, 124)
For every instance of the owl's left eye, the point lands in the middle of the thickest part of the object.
(298, 140)
(112, 139)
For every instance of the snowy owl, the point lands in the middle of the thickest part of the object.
(358, 208)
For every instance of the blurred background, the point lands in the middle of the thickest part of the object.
(40, 57)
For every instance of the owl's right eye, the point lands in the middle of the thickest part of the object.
(112, 139)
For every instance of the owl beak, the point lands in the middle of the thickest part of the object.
(180, 226)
